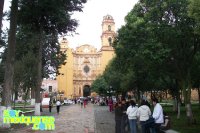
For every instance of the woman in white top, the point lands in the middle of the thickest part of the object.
(132, 116)
(58, 106)
(143, 113)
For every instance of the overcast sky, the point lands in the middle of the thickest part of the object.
(90, 19)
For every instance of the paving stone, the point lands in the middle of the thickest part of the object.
(74, 119)
(104, 120)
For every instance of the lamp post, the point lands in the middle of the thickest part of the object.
(110, 91)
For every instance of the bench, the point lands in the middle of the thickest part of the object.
(171, 131)
(166, 126)
(27, 112)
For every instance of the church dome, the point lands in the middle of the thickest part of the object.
(107, 17)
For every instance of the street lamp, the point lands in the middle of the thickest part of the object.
(110, 91)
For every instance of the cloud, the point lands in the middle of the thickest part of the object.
(90, 20)
(89, 29)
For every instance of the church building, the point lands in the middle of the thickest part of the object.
(85, 63)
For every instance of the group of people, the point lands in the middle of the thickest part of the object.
(58, 104)
(128, 113)
(83, 102)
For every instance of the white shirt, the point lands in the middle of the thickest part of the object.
(58, 103)
(143, 113)
(158, 113)
(132, 112)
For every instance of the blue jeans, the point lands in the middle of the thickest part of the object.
(132, 123)
(156, 128)
(142, 123)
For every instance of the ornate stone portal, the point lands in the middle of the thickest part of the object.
(84, 64)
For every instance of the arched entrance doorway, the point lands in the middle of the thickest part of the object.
(86, 91)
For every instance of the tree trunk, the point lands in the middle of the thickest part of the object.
(10, 57)
(32, 96)
(16, 95)
(1, 14)
(189, 113)
(178, 109)
(39, 77)
(160, 95)
(187, 96)
(138, 95)
(181, 98)
(123, 95)
(198, 89)
(175, 104)
(25, 99)
(9, 69)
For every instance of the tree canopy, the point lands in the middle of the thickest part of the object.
(158, 49)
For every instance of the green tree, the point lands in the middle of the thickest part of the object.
(25, 74)
(158, 42)
(194, 12)
(195, 75)
(100, 86)
(173, 28)
(51, 18)
(113, 76)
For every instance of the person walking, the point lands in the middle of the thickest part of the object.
(143, 113)
(110, 104)
(58, 104)
(118, 117)
(157, 115)
(84, 103)
(50, 105)
(81, 101)
(132, 116)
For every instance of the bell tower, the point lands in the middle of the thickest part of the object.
(64, 44)
(107, 38)
(108, 31)
(65, 79)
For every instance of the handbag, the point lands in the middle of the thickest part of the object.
(150, 122)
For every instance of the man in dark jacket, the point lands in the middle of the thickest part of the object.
(124, 122)
(118, 117)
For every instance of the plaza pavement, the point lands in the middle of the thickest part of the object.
(104, 120)
(74, 119)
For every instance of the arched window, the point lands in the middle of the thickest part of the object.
(110, 41)
(109, 28)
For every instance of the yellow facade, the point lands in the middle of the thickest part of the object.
(84, 64)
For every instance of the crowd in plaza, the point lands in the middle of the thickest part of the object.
(129, 117)
(83, 101)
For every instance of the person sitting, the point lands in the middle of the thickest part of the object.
(166, 125)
